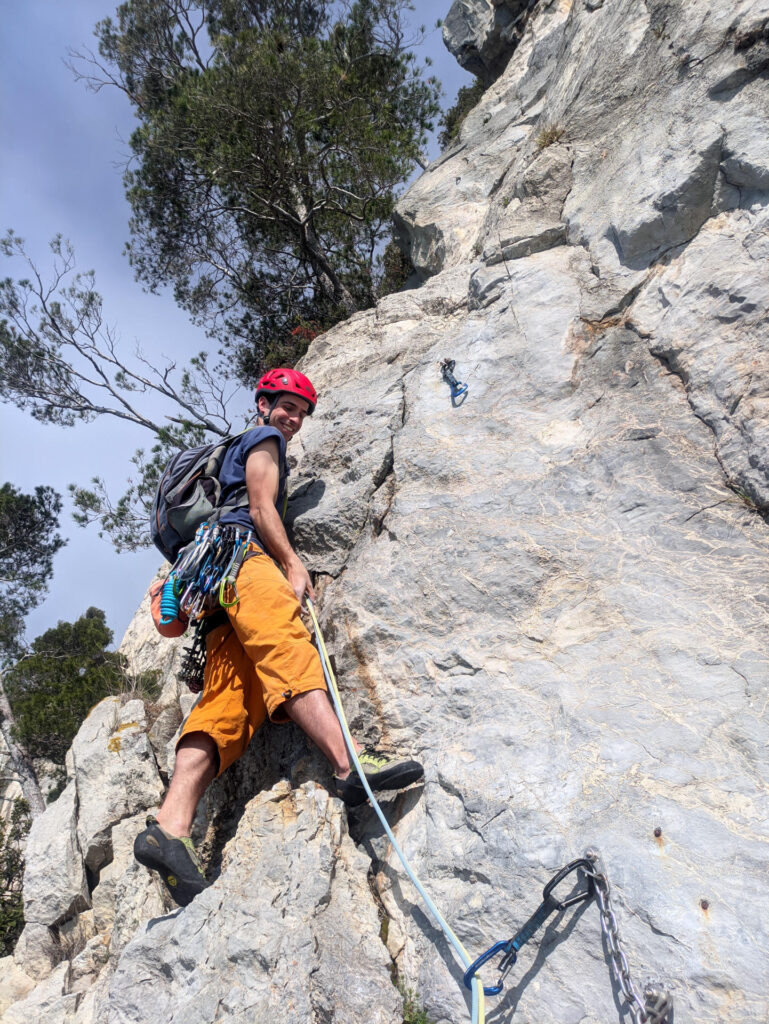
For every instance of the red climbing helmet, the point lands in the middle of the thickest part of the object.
(287, 380)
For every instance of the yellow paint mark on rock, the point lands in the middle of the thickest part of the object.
(115, 743)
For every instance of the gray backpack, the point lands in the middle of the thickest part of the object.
(188, 494)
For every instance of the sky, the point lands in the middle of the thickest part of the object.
(61, 165)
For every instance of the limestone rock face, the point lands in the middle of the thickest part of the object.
(79, 850)
(552, 592)
(721, 278)
(50, 1001)
(482, 33)
(55, 884)
(288, 932)
(14, 983)
(116, 772)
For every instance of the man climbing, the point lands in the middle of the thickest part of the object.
(260, 661)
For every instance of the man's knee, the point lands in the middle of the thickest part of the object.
(197, 752)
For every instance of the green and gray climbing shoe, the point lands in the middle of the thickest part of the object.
(381, 773)
(174, 859)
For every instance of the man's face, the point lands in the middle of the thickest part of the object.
(288, 414)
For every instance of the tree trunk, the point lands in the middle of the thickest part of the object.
(327, 277)
(19, 762)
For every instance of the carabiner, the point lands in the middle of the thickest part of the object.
(586, 894)
(498, 947)
(457, 388)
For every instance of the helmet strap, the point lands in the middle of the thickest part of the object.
(273, 402)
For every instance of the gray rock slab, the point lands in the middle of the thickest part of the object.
(705, 314)
(116, 773)
(745, 160)
(55, 885)
(481, 34)
(88, 963)
(288, 931)
(36, 951)
(15, 984)
(556, 613)
(440, 218)
(50, 1001)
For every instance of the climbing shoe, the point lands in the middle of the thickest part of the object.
(381, 773)
(174, 859)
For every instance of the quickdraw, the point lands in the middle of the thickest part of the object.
(657, 1005)
(205, 573)
(549, 905)
(458, 389)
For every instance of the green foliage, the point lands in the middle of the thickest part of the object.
(467, 98)
(397, 269)
(271, 140)
(413, 1012)
(60, 362)
(60, 784)
(126, 522)
(52, 689)
(550, 134)
(13, 831)
(28, 543)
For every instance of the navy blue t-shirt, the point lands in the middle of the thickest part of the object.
(232, 476)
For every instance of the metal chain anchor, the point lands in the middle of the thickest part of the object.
(657, 1005)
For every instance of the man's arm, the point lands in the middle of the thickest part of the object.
(262, 480)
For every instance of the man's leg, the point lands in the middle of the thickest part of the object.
(217, 730)
(268, 623)
(165, 845)
(197, 762)
(313, 713)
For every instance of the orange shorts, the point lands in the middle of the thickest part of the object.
(255, 663)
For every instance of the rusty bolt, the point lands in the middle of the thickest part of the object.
(657, 832)
(704, 904)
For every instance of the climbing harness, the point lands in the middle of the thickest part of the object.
(458, 389)
(658, 1005)
(205, 573)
